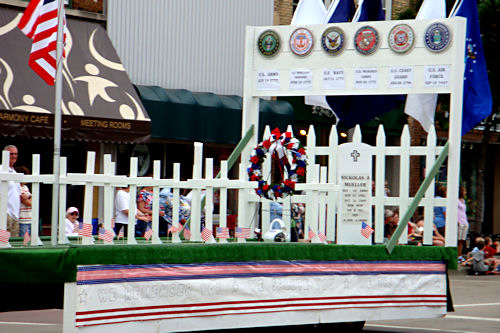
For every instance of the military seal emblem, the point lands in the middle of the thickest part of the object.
(366, 40)
(269, 43)
(401, 38)
(437, 37)
(301, 41)
(333, 40)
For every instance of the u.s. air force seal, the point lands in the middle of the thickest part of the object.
(401, 38)
(269, 43)
(333, 40)
(437, 37)
(301, 41)
(366, 40)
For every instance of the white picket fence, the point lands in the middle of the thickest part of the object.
(320, 192)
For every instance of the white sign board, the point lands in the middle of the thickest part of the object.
(355, 180)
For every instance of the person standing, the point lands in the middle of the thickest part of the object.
(14, 195)
(122, 206)
(463, 224)
(440, 211)
(25, 209)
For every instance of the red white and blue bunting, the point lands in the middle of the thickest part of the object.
(283, 147)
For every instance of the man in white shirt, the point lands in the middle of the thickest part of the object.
(14, 196)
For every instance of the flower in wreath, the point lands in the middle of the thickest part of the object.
(291, 158)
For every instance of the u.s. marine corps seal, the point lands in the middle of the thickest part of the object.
(269, 43)
(301, 41)
(366, 40)
(333, 40)
(437, 37)
(401, 38)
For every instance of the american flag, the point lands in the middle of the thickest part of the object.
(76, 227)
(311, 234)
(27, 238)
(121, 233)
(4, 236)
(85, 229)
(222, 232)
(366, 230)
(148, 233)
(206, 234)
(242, 232)
(174, 228)
(322, 236)
(106, 235)
(187, 233)
(39, 23)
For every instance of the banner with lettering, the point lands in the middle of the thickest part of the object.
(186, 297)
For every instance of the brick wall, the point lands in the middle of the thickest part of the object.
(95, 6)
(283, 12)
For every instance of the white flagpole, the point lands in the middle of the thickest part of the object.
(57, 124)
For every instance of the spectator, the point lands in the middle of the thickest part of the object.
(72, 223)
(440, 211)
(166, 205)
(437, 238)
(13, 195)
(463, 224)
(480, 265)
(489, 251)
(122, 205)
(25, 208)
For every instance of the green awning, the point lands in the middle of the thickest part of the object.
(195, 116)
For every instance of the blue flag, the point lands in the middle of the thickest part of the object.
(341, 11)
(477, 103)
(352, 110)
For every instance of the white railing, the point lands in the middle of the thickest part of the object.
(320, 191)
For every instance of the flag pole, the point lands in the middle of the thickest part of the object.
(57, 124)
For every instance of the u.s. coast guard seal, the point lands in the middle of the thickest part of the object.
(366, 40)
(269, 43)
(333, 40)
(401, 38)
(437, 37)
(301, 41)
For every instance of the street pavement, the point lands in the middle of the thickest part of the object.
(476, 300)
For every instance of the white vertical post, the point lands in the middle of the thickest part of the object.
(404, 179)
(89, 196)
(175, 204)
(4, 188)
(223, 195)
(35, 203)
(430, 158)
(379, 190)
(132, 206)
(69, 314)
(108, 194)
(331, 218)
(266, 172)
(155, 239)
(196, 197)
(209, 196)
(322, 202)
(62, 203)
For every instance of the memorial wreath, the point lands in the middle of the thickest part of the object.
(281, 147)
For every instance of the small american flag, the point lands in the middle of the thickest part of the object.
(242, 232)
(85, 229)
(366, 230)
(121, 233)
(222, 232)
(76, 227)
(39, 23)
(187, 233)
(27, 238)
(322, 236)
(4, 236)
(311, 234)
(106, 235)
(206, 234)
(173, 229)
(148, 233)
